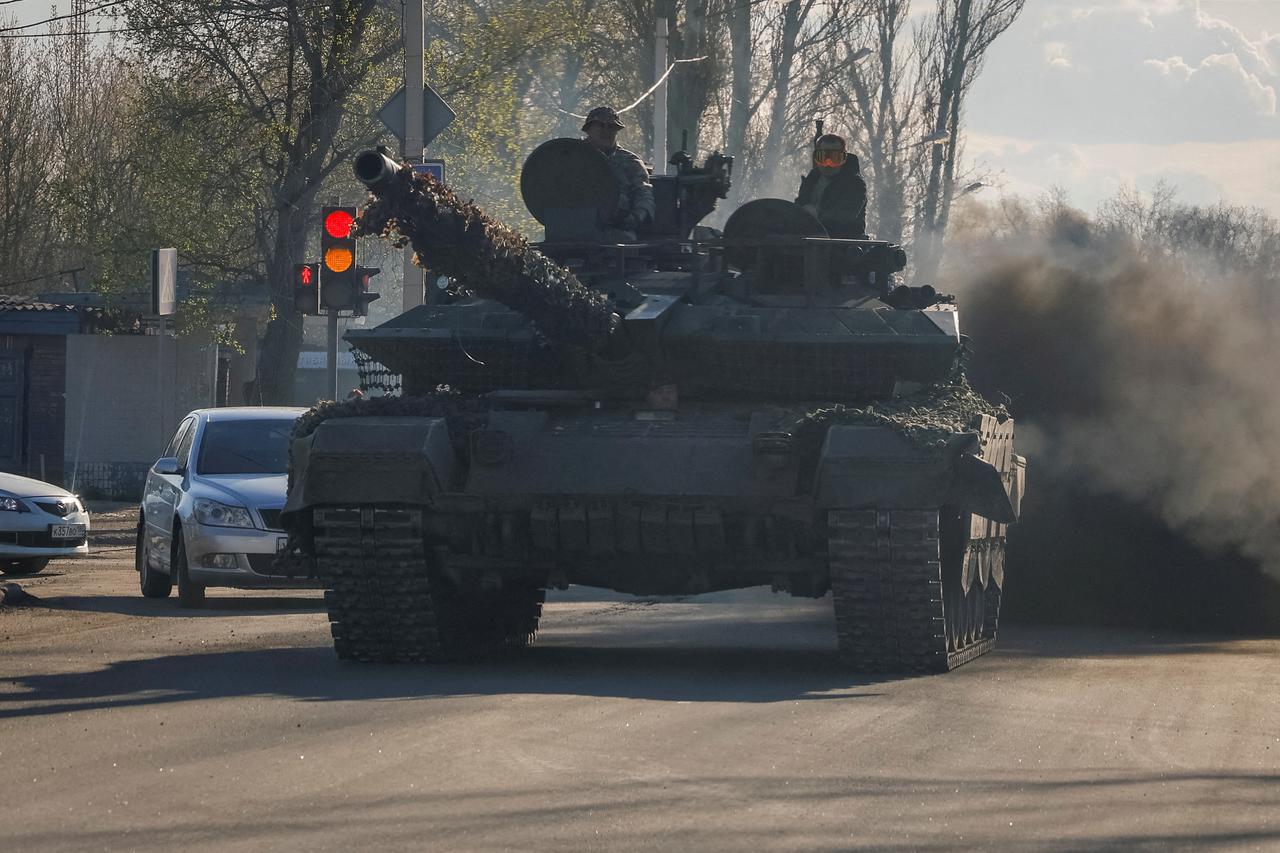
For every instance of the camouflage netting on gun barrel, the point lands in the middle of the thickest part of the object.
(455, 238)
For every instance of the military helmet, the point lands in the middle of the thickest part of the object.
(604, 115)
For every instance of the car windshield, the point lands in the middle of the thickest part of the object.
(256, 446)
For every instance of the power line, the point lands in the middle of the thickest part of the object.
(64, 17)
(12, 32)
(7, 35)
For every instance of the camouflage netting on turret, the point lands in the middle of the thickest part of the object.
(455, 238)
(927, 418)
(465, 413)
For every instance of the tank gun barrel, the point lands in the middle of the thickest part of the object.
(374, 168)
(455, 238)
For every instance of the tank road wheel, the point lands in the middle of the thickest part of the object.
(900, 602)
(390, 601)
(520, 606)
(975, 609)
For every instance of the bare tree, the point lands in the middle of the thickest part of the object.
(957, 39)
(287, 70)
(882, 97)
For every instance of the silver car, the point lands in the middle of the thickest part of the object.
(38, 521)
(210, 512)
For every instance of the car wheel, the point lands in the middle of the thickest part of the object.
(154, 583)
(23, 567)
(190, 594)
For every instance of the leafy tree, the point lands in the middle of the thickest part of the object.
(278, 77)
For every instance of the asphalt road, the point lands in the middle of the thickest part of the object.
(716, 724)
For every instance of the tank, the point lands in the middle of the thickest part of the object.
(674, 412)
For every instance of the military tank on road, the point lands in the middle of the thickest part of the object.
(674, 412)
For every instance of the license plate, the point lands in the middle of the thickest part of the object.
(282, 544)
(66, 531)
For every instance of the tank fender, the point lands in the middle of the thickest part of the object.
(868, 465)
(371, 460)
(980, 488)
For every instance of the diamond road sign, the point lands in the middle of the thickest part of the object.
(436, 114)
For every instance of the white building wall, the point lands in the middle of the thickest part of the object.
(125, 396)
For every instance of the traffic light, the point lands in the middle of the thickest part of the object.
(306, 288)
(340, 285)
(366, 295)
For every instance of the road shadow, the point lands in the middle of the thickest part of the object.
(1072, 642)
(833, 809)
(314, 674)
(214, 607)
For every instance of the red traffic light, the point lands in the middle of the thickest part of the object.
(338, 223)
(305, 274)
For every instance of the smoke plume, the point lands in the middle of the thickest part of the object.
(1138, 361)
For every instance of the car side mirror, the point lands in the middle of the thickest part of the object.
(167, 465)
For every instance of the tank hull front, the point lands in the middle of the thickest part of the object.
(493, 509)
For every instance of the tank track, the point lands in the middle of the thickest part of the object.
(389, 601)
(896, 609)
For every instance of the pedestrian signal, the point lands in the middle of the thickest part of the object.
(306, 288)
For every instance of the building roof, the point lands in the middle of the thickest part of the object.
(10, 302)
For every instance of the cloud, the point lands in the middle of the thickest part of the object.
(1245, 172)
(1128, 72)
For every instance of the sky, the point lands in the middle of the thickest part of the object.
(1093, 95)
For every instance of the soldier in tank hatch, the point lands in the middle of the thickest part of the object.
(834, 190)
(635, 198)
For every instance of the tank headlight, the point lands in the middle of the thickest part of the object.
(214, 514)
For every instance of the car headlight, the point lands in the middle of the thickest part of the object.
(9, 504)
(216, 514)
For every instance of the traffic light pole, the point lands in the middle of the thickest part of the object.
(415, 37)
(331, 356)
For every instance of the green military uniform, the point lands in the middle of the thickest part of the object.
(635, 194)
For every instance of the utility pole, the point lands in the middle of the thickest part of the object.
(660, 96)
(331, 354)
(415, 37)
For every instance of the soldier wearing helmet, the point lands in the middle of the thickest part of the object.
(635, 193)
(834, 190)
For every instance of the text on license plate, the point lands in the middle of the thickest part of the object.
(66, 531)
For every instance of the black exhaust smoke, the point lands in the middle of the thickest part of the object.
(1141, 383)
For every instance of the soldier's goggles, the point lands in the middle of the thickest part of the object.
(829, 158)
